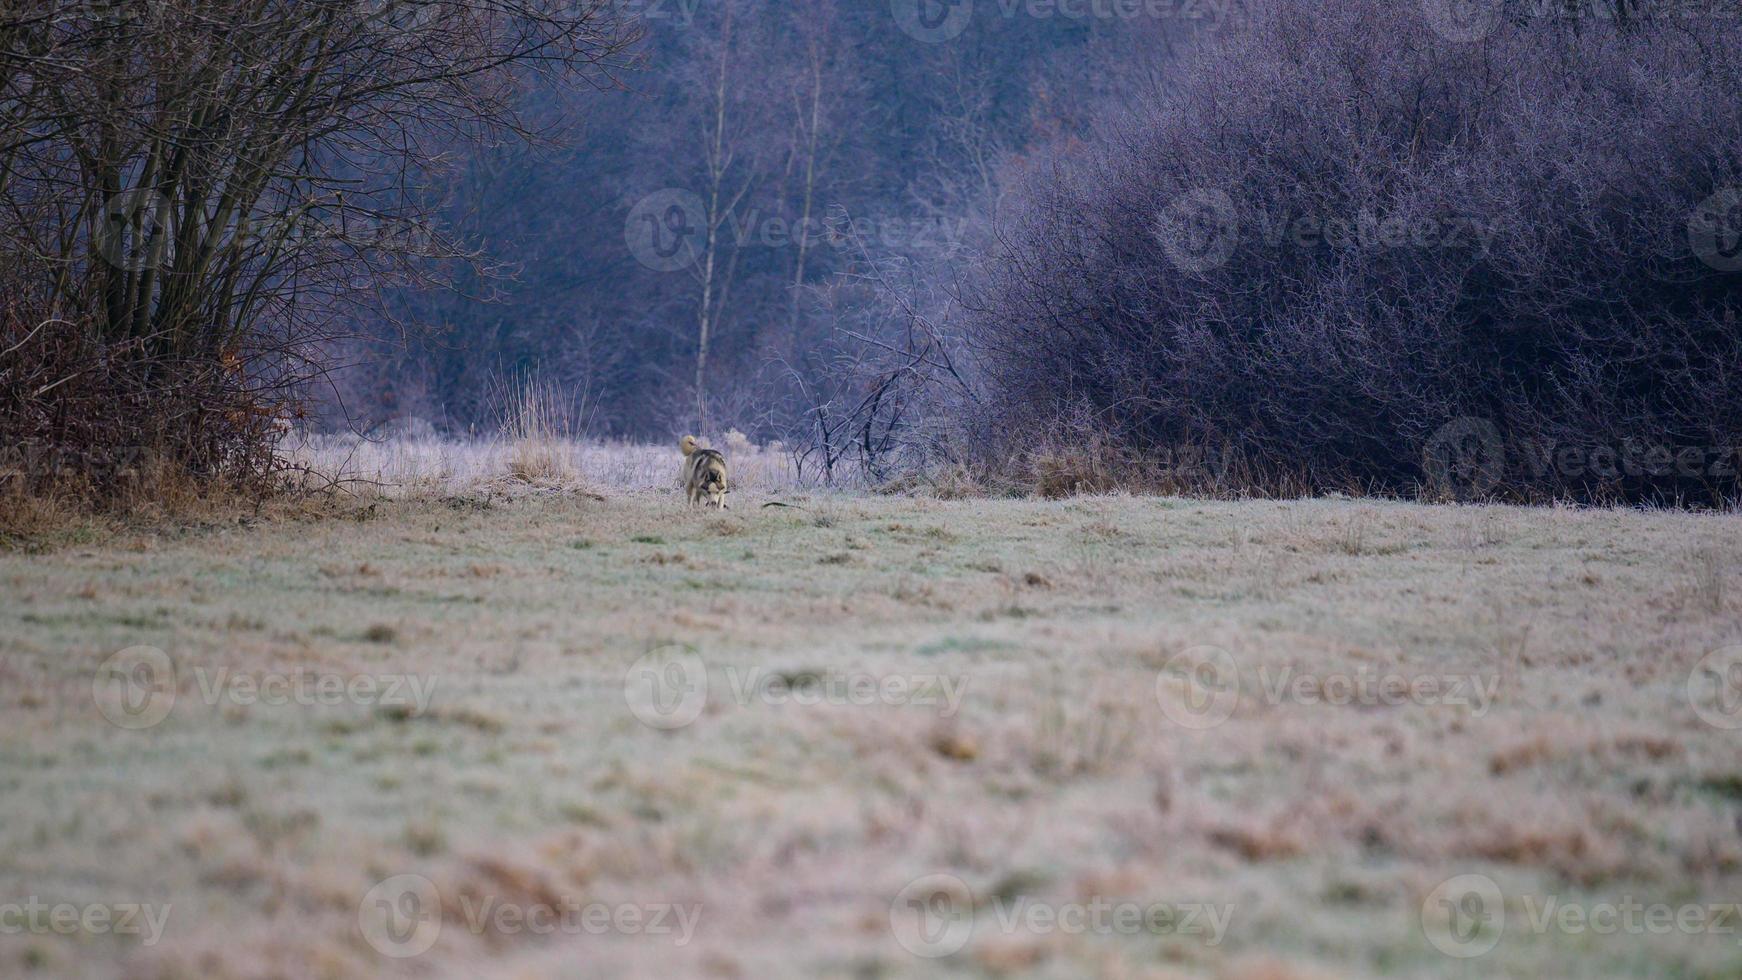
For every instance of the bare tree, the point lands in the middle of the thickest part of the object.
(212, 182)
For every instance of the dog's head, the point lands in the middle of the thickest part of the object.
(714, 486)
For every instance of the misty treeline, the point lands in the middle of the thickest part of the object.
(198, 196)
(1467, 249)
(1480, 249)
(812, 171)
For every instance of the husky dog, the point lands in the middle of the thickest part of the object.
(704, 473)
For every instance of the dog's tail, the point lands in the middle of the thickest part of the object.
(688, 445)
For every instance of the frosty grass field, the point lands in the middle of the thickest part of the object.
(540, 726)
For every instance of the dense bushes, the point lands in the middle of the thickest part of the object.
(108, 423)
(1350, 251)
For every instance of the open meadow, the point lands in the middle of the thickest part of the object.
(1002, 490)
(576, 734)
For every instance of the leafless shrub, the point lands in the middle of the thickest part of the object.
(198, 193)
(1335, 231)
(98, 421)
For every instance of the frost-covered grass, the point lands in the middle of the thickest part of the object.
(1071, 632)
(401, 467)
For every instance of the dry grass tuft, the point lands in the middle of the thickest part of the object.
(1070, 471)
(153, 495)
(1256, 841)
(538, 423)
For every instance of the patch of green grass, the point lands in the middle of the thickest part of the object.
(1727, 786)
(962, 644)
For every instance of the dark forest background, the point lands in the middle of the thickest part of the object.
(1477, 248)
(836, 159)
